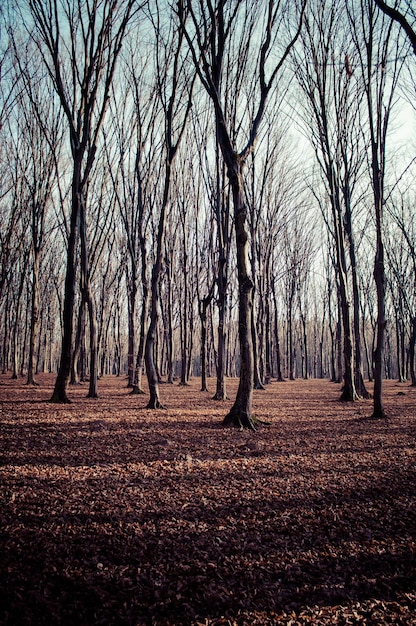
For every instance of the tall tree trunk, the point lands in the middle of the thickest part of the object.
(137, 387)
(291, 358)
(257, 375)
(88, 298)
(268, 349)
(360, 387)
(202, 309)
(169, 327)
(338, 340)
(412, 344)
(93, 390)
(61, 384)
(184, 321)
(276, 338)
(75, 376)
(150, 346)
(240, 413)
(380, 280)
(131, 299)
(34, 322)
(221, 386)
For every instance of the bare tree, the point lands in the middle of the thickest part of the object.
(379, 53)
(132, 146)
(79, 44)
(210, 31)
(333, 106)
(406, 18)
(175, 85)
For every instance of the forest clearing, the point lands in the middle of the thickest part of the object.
(115, 514)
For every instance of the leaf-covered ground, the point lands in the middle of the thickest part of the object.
(113, 514)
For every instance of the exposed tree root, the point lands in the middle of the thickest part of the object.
(154, 403)
(136, 391)
(219, 395)
(60, 399)
(348, 395)
(257, 420)
(239, 419)
(378, 414)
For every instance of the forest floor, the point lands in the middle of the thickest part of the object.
(111, 514)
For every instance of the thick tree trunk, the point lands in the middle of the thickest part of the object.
(152, 375)
(61, 383)
(380, 280)
(240, 413)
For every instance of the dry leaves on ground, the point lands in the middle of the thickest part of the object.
(113, 514)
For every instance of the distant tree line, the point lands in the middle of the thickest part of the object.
(208, 189)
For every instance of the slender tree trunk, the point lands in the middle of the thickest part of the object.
(169, 328)
(184, 333)
(150, 346)
(360, 387)
(221, 386)
(290, 341)
(15, 339)
(131, 296)
(276, 338)
(87, 297)
(267, 339)
(338, 341)
(412, 352)
(257, 376)
(191, 341)
(202, 309)
(34, 322)
(348, 392)
(93, 390)
(75, 377)
(203, 319)
(137, 387)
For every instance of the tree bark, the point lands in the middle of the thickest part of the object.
(61, 383)
(34, 322)
(240, 412)
(412, 344)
